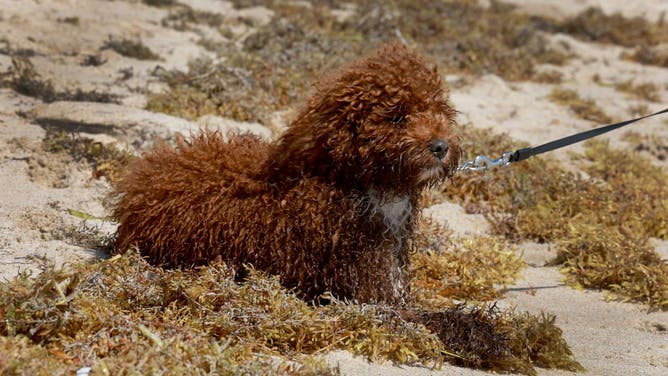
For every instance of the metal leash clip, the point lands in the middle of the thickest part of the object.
(484, 163)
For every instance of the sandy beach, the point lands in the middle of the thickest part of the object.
(41, 193)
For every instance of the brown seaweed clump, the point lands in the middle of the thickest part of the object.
(624, 199)
(655, 145)
(490, 339)
(23, 78)
(105, 160)
(468, 269)
(271, 69)
(643, 36)
(650, 55)
(154, 320)
(135, 49)
(601, 258)
(647, 91)
(583, 108)
(593, 24)
(201, 321)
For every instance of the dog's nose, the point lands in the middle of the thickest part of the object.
(439, 148)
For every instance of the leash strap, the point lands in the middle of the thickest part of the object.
(522, 154)
(484, 163)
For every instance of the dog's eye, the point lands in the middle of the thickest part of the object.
(398, 119)
(397, 114)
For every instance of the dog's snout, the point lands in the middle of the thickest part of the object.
(439, 148)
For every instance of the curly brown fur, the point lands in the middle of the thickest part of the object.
(330, 206)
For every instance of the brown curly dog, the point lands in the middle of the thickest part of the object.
(330, 206)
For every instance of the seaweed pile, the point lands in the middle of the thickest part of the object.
(583, 108)
(105, 159)
(601, 222)
(122, 315)
(24, 79)
(276, 65)
(466, 269)
(644, 37)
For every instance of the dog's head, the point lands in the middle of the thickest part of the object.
(384, 123)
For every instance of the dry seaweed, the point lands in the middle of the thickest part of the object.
(650, 55)
(466, 269)
(24, 79)
(106, 160)
(542, 339)
(6, 48)
(92, 61)
(277, 64)
(602, 257)
(201, 321)
(160, 3)
(473, 334)
(624, 197)
(594, 25)
(130, 48)
(219, 89)
(647, 91)
(464, 36)
(486, 337)
(655, 145)
(74, 21)
(549, 77)
(583, 108)
(273, 70)
(636, 186)
(18, 355)
(638, 110)
(183, 17)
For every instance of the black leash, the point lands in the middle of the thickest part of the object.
(484, 163)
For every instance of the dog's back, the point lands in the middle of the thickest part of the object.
(169, 201)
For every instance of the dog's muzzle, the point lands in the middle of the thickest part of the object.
(439, 148)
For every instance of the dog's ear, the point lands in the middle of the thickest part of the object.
(315, 142)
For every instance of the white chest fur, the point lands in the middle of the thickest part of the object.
(395, 210)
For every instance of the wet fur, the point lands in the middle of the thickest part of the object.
(330, 206)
